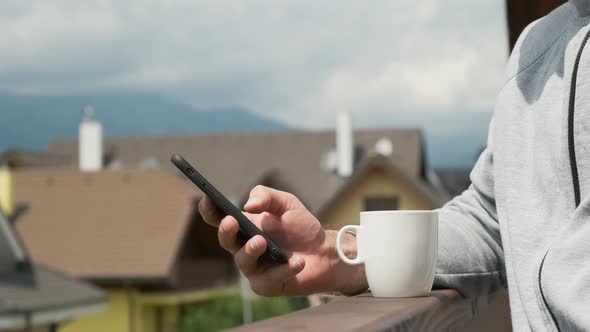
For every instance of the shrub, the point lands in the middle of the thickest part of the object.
(226, 312)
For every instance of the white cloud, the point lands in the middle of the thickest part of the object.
(426, 9)
(301, 61)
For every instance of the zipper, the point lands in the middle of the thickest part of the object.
(570, 123)
(573, 161)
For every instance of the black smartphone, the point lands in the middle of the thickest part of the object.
(273, 252)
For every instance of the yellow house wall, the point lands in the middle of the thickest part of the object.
(346, 210)
(169, 317)
(148, 319)
(115, 317)
(6, 191)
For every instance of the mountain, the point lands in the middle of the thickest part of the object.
(453, 139)
(29, 122)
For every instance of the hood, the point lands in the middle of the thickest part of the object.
(582, 6)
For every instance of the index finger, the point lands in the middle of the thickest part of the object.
(209, 212)
(266, 199)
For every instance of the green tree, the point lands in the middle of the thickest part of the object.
(226, 312)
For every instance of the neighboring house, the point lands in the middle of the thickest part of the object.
(388, 166)
(378, 184)
(132, 229)
(36, 298)
(134, 233)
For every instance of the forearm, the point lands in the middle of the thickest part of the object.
(340, 277)
(470, 256)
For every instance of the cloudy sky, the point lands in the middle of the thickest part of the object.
(300, 61)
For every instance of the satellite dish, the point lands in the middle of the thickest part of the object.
(384, 146)
(329, 161)
(150, 163)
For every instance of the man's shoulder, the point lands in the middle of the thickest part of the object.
(538, 37)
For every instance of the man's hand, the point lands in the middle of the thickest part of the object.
(313, 266)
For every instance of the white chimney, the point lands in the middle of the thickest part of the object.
(90, 142)
(344, 145)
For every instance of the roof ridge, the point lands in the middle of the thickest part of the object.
(66, 276)
(286, 132)
(56, 170)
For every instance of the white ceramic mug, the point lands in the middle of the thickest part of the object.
(398, 249)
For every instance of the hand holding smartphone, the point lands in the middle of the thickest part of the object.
(273, 252)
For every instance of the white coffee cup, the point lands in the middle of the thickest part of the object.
(398, 249)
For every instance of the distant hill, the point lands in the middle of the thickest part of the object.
(28, 122)
(31, 121)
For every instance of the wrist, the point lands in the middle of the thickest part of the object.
(342, 277)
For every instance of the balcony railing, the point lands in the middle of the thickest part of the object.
(441, 310)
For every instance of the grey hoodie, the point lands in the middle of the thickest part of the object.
(525, 220)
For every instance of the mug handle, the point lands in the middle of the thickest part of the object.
(348, 229)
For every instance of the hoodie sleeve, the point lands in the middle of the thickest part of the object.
(470, 256)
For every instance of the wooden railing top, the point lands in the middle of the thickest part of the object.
(441, 310)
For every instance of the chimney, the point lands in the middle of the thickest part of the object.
(344, 145)
(6, 191)
(90, 142)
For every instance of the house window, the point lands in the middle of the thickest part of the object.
(379, 203)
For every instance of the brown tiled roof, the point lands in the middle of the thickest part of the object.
(26, 288)
(124, 224)
(235, 161)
